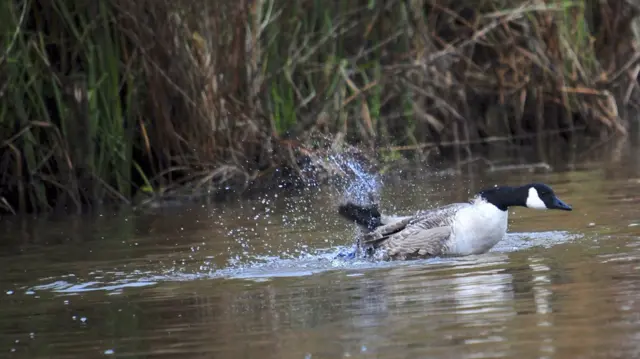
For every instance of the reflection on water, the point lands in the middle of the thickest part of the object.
(260, 279)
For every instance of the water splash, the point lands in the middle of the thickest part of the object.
(358, 185)
(260, 268)
(346, 167)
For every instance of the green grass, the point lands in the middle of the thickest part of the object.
(76, 140)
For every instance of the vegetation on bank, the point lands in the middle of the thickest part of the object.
(107, 101)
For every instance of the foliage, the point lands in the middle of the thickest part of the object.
(105, 101)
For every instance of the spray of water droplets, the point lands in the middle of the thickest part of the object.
(356, 183)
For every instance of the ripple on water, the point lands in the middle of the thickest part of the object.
(262, 268)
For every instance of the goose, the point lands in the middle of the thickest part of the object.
(457, 229)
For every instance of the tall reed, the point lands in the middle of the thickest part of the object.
(108, 102)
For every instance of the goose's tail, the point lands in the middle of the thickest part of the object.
(367, 216)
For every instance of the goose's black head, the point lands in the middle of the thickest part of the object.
(533, 195)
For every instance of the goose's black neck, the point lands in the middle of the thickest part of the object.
(503, 197)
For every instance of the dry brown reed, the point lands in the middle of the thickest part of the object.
(103, 102)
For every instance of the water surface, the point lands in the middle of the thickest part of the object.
(260, 279)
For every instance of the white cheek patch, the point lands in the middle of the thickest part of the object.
(534, 201)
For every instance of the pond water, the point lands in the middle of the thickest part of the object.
(260, 279)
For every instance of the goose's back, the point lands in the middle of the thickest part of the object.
(437, 217)
(425, 233)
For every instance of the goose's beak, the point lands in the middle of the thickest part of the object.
(558, 204)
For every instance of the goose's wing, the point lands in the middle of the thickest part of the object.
(417, 242)
(432, 218)
(438, 216)
(383, 232)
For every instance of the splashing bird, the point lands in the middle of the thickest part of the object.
(457, 229)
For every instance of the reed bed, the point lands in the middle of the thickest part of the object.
(119, 102)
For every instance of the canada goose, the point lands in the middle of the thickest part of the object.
(457, 229)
